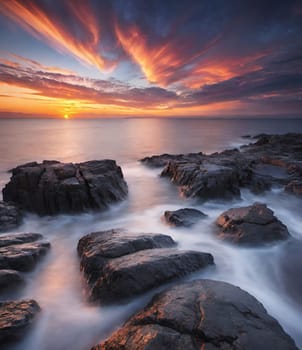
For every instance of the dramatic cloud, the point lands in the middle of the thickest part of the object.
(161, 55)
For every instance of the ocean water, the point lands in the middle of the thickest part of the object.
(67, 321)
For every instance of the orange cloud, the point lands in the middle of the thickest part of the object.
(42, 25)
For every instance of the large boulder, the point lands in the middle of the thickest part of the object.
(139, 272)
(163, 159)
(202, 314)
(10, 216)
(21, 252)
(15, 318)
(251, 225)
(119, 264)
(52, 187)
(183, 217)
(97, 248)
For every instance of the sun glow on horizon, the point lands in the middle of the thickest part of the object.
(66, 116)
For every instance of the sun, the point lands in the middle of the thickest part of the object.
(66, 116)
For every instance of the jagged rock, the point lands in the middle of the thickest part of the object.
(202, 314)
(95, 249)
(271, 160)
(252, 225)
(139, 272)
(163, 159)
(10, 216)
(15, 318)
(204, 180)
(22, 251)
(10, 279)
(184, 217)
(52, 187)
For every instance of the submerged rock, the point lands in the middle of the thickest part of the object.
(21, 251)
(294, 187)
(15, 318)
(10, 216)
(139, 272)
(202, 314)
(252, 225)
(119, 264)
(184, 217)
(10, 279)
(52, 187)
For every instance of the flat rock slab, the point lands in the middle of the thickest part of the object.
(15, 318)
(21, 252)
(252, 225)
(52, 187)
(10, 279)
(95, 249)
(184, 217)
(202, 314)
(20, 238)
(139, 272)
(10, 216)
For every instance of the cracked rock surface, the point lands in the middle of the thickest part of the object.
(202, 314)
(251, 225)
(51, 187)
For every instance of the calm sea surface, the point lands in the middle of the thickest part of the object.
(67, 321)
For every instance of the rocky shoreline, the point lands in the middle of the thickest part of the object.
(119, 265)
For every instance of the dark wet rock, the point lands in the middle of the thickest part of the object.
(19, 238)
(52, 187)
(10, 279)
(184, 217)
(294, 187)
(252, 225)
(271, 160)
(15, 318)
(97, 248)
(204, 180)
(202, 314)
(21, 252)
(163, 159)
(139, 272)
(10, 216)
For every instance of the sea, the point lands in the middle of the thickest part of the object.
(272, 273)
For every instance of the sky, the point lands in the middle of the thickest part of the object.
(111, 58)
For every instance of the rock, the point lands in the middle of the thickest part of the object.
(294, 187)
(15, 318)
(95, 249)
(163, 159)
(22, 251)
(10, 216)
(252, 225)
(52, 187)
(20, 238)
(202, 314)
(10, 279)
(271, 160)
(184, 217)
(139, 272)
(204, 180)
